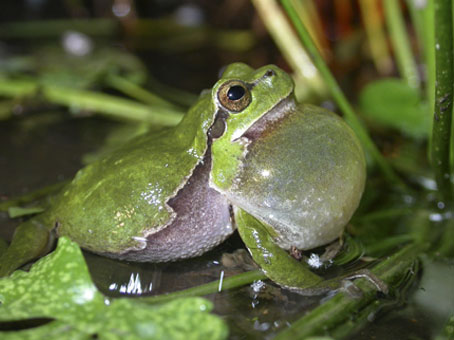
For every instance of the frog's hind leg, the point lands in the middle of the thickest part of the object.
(30, 241)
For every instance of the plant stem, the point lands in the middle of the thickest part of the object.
(429, 52)
(341, 308)
(423, 22)
(134, 91)
(308, 14)
(372, 20)
(110, 105)
(287, 41)
(422, 14)
(15, 212)
(210, 288)
(102, 103)
(339, 97)
(442, 123)
(174, 95)
(32, 196)
(400, 41)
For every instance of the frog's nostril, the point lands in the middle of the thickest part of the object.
(270, 73)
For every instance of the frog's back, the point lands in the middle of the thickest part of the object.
(115, 202)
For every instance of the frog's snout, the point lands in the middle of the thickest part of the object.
(268, 74)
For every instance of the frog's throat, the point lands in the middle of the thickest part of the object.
(268, 121)
(263, 125)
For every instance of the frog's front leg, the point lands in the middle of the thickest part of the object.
(30, 241)
(282, 268)
(277, 263)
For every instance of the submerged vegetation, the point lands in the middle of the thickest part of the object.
(402, 115)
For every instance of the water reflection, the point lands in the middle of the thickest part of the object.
(133, 287)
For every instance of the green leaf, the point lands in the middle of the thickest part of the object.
(59, 287)
(393, 103)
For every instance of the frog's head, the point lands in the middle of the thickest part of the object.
(245, 99)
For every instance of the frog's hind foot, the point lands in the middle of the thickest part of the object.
(30, 241)
(332, 250)
(353, 291)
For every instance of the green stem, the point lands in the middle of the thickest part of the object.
(108, 105)
(210, 288)
(401, 43)
(339, 97)
(429, 52)
(373, 23)
(174, 95)
(308, 79)
(442, 123)
(428, 38)
(32, 196)
(423, 22)
(341, 308)
(134, 91)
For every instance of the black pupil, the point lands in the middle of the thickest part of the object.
(236, 92)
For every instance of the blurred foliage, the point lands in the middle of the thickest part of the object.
(393, 103)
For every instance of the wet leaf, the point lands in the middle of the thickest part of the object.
(391, 102)
(59, 287)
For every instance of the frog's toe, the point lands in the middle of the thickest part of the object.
(353, 291)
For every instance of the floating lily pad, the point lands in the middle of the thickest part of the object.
(392, 103)
(59, 287)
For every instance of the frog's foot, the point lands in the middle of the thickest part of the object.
(332, 249)
(353, 291)
(30, 241)
(296, 253)
(345, 284)
(239, 259)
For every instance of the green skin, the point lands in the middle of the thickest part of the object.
(293, 175)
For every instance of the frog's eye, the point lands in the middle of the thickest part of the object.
(234, 95)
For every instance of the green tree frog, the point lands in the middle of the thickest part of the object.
(246, 156)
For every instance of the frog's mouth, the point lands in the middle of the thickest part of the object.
(271, 120)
